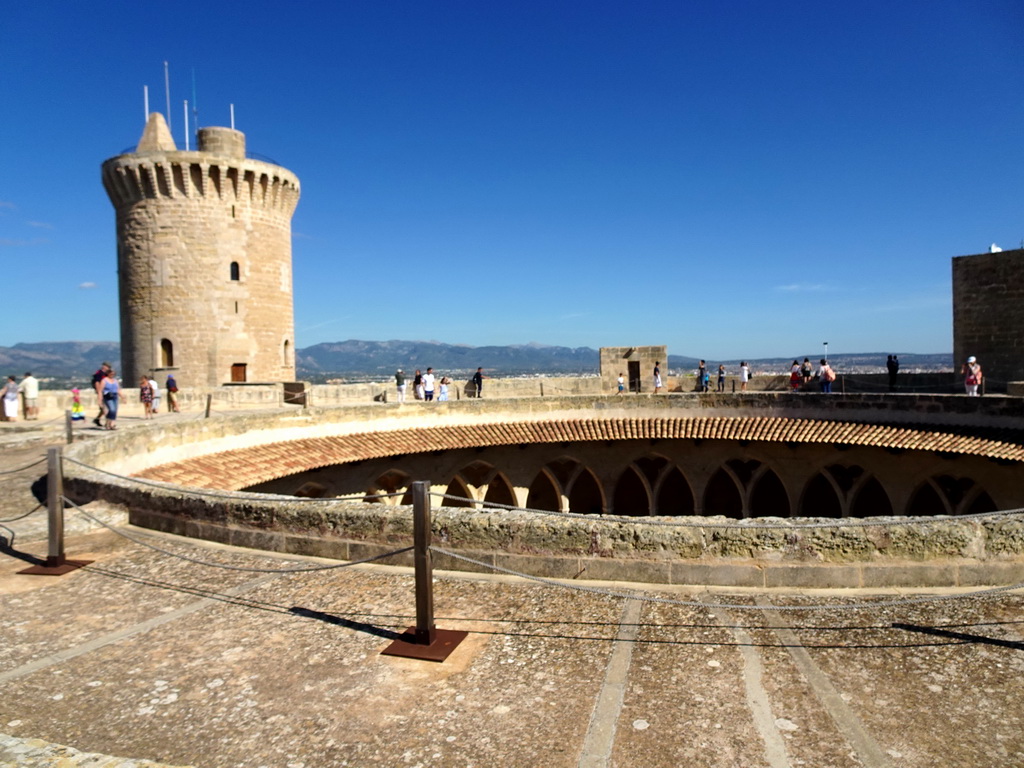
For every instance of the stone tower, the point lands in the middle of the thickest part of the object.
(204, 259)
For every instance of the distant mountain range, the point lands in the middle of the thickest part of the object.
(379, 359)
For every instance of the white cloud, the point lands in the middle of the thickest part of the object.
(12, 243)
(39, 224)
(6, 204)
(86, 286)
(801, 287)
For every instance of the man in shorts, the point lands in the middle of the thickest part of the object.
(29, 389)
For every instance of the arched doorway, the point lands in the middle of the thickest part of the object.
(769, 497)
(820, 498)
(722, 497)
(871, 500)
(585, 497)
(675, 497)
(544, 494)
(631, 495)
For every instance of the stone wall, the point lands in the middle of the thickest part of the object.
(617, 360)
(988, 315)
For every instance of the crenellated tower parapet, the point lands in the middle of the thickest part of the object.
(204, 259)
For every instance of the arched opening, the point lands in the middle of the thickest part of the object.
(980, 504)
(390, 482)
(286, 348)
(476, 473)
(499, 491)
(585, 496)
(769, 498)
(820, 499)
(675, 497)
(543, 494)
(458, 489)
(166, 353)
(871, 500)
(630, 495)
(235, 272)
(926, 502)
(722, 497)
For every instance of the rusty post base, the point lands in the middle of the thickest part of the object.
(412, 645)
(55, 566)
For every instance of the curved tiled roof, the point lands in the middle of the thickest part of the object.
(236, 469)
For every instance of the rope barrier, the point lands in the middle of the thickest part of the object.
(732, 606)
(237, 495)
(22, 469)
(754, 525)
(224, 566)
(34, 509)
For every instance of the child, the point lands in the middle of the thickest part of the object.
(77, 412)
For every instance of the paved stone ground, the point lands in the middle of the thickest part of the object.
(153, 658)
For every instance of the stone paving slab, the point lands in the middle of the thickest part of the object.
(148, 657)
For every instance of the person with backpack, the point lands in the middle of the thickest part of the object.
(826, 376)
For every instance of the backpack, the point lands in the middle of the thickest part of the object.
(828, 374)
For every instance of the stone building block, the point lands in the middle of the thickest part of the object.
(909, 575)
(990, 574)
(626, 569)
(540, 565)
(813, 576)
(718, 574)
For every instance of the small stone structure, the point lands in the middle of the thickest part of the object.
(636, 364)
(204, 259)
(988, 315)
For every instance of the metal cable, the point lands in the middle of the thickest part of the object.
(752, 526)
(22, 469)
(234, 567)
(22, 517)
(733, 606)
(237, 495)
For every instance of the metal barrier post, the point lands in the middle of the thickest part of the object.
(424, 640)
(56, 563)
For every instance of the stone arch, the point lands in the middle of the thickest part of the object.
(722, 495)
(978, 503)
(500, 491)
(768, 497)
(927, 500)
(632, 493)
(871, 500)
(392, 481)
(477, 473)
(821, 497)
(585, 494)
(458, 488)
(674, 494)
(544, 492)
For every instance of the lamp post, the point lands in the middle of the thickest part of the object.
(826, 351)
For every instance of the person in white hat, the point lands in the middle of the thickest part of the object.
(971, 372)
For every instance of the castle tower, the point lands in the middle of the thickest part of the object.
(204, 259)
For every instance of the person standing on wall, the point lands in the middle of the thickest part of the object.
(657, 376)
(156, 393)
(172, 393)
(400, 384)
(97, 385)
(806, 371)
(702, 377)
(721, 378)
(893, 366)
(744, 376)
(417, 385)
(10, 397)
(29, 389)
(971, 371)
(622, 383)
(478, 381)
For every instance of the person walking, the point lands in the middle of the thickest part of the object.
(400, 384)
(971, 371)
(112, 395)
(10, 396)
(156, 393)
(795, 377)
(417, 385)
(806, 371)
(702, 377)
(442, 390)
(826, 376)
(97, 387)
(146, 397)
(428, 385)
(744, 376)
(478, 382)
(721, 378)
(29, 388)
(893, 366)
(657, 376)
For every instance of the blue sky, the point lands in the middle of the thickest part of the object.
(735, 179)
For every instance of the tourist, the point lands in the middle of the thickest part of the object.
(10, 394)
(172, 393)
(146, 397)
(702, 377)
(478, 382)
(721, 378)
(795, 376)
(428, 385)
(893, 366)
(971, 371)
(622, 384)
(806, 371)
(29, 389)
(110, 389)
(744, 376)
(657, 376)
(417, 385)
(400, 384)
(97, 386)
(77, 411)
(156, 394)
(826, 376)
(442, 392)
